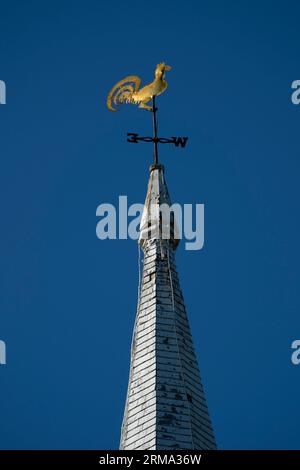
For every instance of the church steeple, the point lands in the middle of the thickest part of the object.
(165, 406)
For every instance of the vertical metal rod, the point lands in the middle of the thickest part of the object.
(154, 131)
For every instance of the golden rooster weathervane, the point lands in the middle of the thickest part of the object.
(128, 91)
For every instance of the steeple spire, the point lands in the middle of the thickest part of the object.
(165, 406)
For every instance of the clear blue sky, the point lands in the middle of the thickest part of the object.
(68, 300)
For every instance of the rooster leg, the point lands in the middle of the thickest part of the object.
(145, 106)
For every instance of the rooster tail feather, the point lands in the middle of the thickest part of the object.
(123, 91)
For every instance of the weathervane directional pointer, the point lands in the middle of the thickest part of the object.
(128, 91)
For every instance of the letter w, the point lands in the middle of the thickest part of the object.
(180, 141)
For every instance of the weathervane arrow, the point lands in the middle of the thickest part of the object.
(128, 91)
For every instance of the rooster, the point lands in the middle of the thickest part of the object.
(128, 90)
